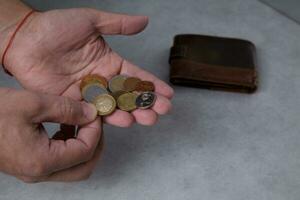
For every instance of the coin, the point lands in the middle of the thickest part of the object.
(105, 104)
(126, 102)
(91, 91)
(145, 86)
(116, 83)
(93, 78)
(131, 83)
(117, 94)
(145, 100)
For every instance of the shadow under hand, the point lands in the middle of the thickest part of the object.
(131, 152)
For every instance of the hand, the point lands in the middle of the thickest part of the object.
(55, 49)
(25, 149)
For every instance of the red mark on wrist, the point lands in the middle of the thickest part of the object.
(22, 22)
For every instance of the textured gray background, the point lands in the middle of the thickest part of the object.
(290, 8)
(214, 145)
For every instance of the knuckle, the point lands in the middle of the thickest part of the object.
(39, 170)
(35, 168)
(67, 110)
(36, 104)
(123, 28)
(33, 102)
(88, 153)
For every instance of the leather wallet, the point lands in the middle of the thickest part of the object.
(213, 63)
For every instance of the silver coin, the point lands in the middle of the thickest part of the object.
(91, 91)
(145, 100)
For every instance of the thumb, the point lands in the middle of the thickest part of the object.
(66, 111)
(112, 23)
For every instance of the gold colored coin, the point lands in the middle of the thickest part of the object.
(117, 94)
(116, 83)
(105, 104)
(131, 83)
(93, 78)
(127, 101)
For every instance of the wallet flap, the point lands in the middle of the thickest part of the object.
(226, 52)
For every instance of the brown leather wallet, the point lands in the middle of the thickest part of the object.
(213, 63)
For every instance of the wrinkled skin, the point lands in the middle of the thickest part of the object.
(50, 54)
(26, 151)
(55, 49)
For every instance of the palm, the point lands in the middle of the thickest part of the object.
(70, 47)
(58, 48)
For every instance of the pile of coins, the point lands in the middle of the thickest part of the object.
(123, 92)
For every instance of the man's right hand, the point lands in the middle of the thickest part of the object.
(27, 153)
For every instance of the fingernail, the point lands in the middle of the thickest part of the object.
(89, 111)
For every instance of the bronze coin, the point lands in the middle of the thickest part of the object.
(126, 102)
(145, 100)
(90, 91)
(105, 104)
(93, 78)
(131, 83)
(145, 86)
(116, 83)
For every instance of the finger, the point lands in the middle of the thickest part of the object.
(76, 173)
(160, 86)
(162, 105)
(65, 110)
(79, 172)
(66, 154)
(112, 23)
(145, 117)
(120, 118)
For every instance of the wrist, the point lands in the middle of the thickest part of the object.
(5, 34)
(11, 12)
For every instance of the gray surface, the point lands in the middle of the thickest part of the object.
(214, 145)
(290, 8)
